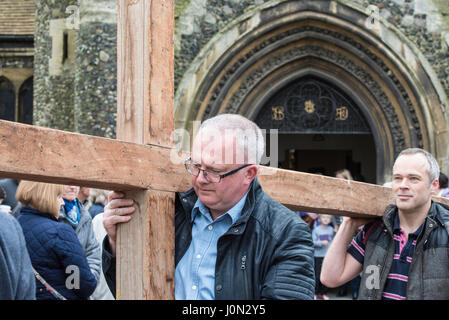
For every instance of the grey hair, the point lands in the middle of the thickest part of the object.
(434, 168)
(248, 135)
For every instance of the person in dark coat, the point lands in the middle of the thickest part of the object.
(232, 241)
(55, 251)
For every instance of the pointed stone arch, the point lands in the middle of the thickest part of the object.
(277, 43)
(26, 101)
(7, 99)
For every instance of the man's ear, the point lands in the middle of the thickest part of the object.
(251, 172)
(435, 186)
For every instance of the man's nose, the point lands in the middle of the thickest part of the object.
(404, 183)
(201, 177)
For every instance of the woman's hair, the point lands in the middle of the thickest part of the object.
(40, 196)
(345, 173)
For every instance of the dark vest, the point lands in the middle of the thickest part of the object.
(428, 277)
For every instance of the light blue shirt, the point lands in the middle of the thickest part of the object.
(195, 273)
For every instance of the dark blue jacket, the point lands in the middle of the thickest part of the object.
(57, 255)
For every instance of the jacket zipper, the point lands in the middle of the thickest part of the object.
(382, 272)
(422, 237)
(383, 268)
(245, 278)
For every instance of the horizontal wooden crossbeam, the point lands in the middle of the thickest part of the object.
(320, 194)
(48, 155)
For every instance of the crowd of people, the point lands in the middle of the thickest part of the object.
(55, 252)
(232, 241)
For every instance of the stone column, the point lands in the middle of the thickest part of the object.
(53, 66)
(96, 72)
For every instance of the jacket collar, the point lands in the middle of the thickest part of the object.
(438, 212)
(250, 203)
(388, 217)
(30, 210)
(234, 213)
(189, 198)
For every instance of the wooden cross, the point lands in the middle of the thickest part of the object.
(139, 162)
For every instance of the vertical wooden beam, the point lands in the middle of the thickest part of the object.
(145, 71)
(145, 114)
(145, 248)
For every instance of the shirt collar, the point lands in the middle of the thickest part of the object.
(30, 210)
(397, 227)
(235, 212)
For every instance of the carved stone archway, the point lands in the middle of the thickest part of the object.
(282, 42)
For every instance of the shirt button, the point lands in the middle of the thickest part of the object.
(210, 227)
(193, 287)
(219, 287)
(198, 256)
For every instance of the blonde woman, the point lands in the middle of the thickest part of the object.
(55, 251)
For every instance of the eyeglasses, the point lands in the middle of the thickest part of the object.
(210, 176)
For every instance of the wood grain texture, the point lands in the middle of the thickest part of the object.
(48, 155)
(145, 72)
(132, 116)
(320, 194)
(145, 115)
(145, 248)
(160, 46)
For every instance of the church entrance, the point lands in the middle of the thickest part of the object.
(326, 154)
(321, 130)
(313, 71)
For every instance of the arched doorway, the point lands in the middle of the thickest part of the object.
(267, 49)
(320, 129)
(26, 102)
(7, 100)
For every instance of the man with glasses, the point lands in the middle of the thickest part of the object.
(232, 240)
